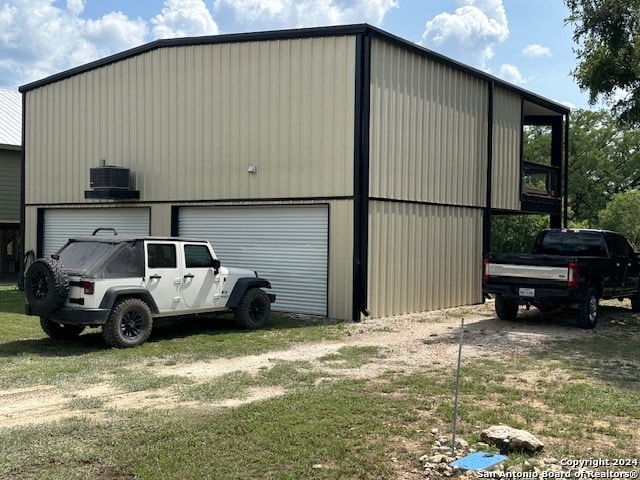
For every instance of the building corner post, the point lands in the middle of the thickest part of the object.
(361, 176)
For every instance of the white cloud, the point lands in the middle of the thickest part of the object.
(114, 32)
(306, 13)
(75, 6)
(39, 38)
(184, 18)
(536, 50)
(470, 32)
(511, 74)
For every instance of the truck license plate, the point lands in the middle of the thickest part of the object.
(527, 292)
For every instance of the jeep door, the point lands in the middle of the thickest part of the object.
(163, 279)
(201, 284)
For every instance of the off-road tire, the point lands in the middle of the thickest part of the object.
(587, 317)
(129, 324)
(506, 309)
(46, 285)
(60, 331)
(635, 302)
(254, 309)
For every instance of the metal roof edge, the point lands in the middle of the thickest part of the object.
(6, 146)
(329, 31)
(326, 31)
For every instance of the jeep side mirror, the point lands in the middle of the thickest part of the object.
(216, 265)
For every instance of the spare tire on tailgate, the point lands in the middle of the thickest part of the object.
(46, 285)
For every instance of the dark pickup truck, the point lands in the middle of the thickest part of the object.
(566, 267)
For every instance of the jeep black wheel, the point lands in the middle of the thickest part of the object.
(60, 331)
(46, 285)
(129, 324)
(254, 309)
(588, 312)
(506, 309)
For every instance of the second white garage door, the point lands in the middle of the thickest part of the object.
(288, 245)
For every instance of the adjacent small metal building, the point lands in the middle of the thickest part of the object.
(356, 170)
(10, 178)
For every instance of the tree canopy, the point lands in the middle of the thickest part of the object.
(607, 34)
(603, 160)
(621, 215)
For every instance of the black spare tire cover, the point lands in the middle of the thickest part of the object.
(46, 285)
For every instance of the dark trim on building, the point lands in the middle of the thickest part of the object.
(422, 202)
(565, 180)
(40, 233)
(521, 154)
(486, 221)
(361, 176)
(175, 220)
(14, 148)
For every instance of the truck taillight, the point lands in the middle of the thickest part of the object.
(574, 274)
(88, 287)
(485, 270)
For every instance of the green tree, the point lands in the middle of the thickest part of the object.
(607, 33)
(603, 160)
(516, 233)
(621, 215)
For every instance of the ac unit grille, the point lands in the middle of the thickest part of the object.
(102, 178)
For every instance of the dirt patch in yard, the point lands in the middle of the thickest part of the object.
(406, 343)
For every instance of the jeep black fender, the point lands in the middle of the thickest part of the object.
(113, 293)
(244, 284)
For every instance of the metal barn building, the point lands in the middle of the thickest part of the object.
(355, 170)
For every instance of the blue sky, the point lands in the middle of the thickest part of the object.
(523, 42)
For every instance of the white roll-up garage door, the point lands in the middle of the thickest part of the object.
(287, 245)
(61, 224)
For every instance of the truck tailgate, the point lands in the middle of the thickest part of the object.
(527, 271)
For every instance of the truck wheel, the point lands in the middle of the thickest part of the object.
(129, 324)
(254, 309)
(60, 331)
(588, 311)
(506, 309)
(46, 285)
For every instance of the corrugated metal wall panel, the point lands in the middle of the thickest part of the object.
(423, 257)
(507, 138)
(60, 224)
(286, 244)
(341, 259)
(428, 129)
(200, 115)
(9, 186)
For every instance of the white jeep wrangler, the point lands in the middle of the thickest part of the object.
(123, 283)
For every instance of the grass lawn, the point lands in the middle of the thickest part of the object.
(581, 396)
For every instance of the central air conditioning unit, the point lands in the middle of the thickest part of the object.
(108, 177)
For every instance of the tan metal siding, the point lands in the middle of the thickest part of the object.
(423, 257)
(9, 186)
(428, 129)
(189, 120)
(507, 137)
(340, 289)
